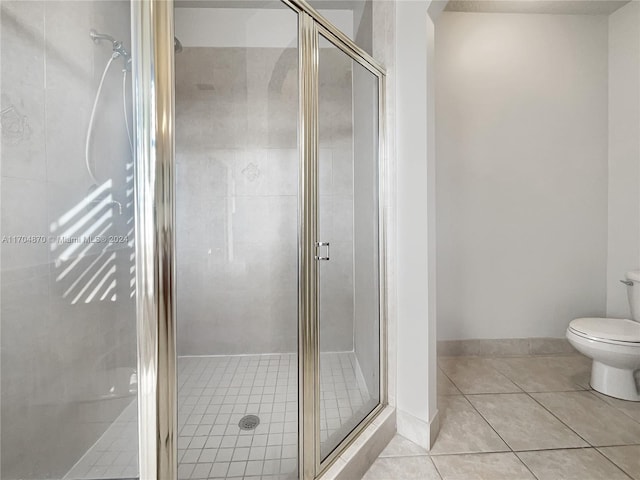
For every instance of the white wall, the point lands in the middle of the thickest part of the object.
(624, 154)
(416, 339)
(521, 173)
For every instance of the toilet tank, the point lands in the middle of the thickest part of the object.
(633, 293)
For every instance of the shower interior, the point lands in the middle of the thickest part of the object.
(237, 155)
(237, 200)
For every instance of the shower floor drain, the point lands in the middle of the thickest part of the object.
(249, 422)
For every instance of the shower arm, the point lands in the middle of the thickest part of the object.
(97, 37)
(117, 46)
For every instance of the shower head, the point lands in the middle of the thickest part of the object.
(116, 45)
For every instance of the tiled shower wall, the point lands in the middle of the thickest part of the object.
(237, 203)
(67, 356)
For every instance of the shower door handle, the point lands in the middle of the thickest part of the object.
(320, 245)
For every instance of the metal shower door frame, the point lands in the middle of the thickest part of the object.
(154, 112)
(311, 25)
(152, 33)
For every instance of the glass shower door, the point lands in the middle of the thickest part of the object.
(68, 320)
(237, 166)
(348, 244)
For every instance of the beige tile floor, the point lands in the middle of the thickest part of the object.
(517, 418)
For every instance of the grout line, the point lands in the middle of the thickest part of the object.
(506, 451)
(481, 416)
(611, 460)
(523, 391)
(520, 389)
(613, 405)
(488, 423)
(426, 454)
(452, 382)
(503, 440)
(560, 420)
(608, 460)
(492, 452)
(525, 465)
(436, 468)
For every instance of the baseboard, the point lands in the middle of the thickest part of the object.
(417, 430)
(505, 346)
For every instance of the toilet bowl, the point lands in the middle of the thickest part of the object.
(614, 346)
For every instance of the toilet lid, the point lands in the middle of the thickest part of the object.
(619, 329)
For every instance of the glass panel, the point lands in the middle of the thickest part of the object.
(354, 18)
(348, 220)
(68, 298)
(237, 214)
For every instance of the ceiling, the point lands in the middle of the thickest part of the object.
(560, 7)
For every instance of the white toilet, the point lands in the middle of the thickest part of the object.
(614, 346)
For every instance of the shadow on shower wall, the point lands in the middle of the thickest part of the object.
(68, 316)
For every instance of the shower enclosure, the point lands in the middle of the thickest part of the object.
(208, 297)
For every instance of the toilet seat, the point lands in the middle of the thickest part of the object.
(620, 331)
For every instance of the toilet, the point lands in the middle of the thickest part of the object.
(614, 346)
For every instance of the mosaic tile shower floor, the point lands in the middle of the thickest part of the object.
(214, 393)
